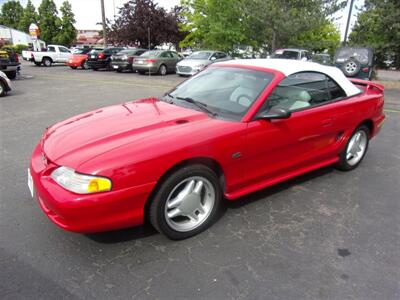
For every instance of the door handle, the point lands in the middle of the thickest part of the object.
(327, 122)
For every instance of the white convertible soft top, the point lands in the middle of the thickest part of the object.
(290, 66)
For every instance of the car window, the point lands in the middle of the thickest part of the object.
(303, 90)
(175, 55)
(221, 55)
(63, 49)
(51, 49)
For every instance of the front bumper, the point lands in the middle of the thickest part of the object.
(186, 70)
(86, 213)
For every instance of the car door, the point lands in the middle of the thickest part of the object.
(64, 54)
(309, 137)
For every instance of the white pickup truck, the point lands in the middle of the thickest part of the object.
(54, 54)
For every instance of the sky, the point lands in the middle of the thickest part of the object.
(88, 12)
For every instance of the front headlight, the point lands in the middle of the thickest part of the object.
(80, 183)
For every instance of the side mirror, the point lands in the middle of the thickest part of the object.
(275, 113)
(213, 58)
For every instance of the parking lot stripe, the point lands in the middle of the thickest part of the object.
(392, 110)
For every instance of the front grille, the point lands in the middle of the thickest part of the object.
(184, 69)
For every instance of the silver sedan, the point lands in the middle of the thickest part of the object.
(197, 61)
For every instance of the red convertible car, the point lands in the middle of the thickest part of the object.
(235, 128)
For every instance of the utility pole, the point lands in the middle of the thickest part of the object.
(348, 23)
(103, 16)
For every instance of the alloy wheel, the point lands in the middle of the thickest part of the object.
(189, 204)
(356, 147)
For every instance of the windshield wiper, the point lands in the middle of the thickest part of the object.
(198, 104)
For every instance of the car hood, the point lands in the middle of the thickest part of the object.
(81, 138)
(193, 62)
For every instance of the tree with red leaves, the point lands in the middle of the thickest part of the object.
(143, 23)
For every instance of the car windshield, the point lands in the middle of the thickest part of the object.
(200, 55)
(361, 54)
(151, 53)
(225, 91)
(286, 54)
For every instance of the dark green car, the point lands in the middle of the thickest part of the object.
(355, 62)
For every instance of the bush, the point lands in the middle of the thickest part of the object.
(15, 48)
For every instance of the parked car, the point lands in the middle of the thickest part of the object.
(102, 59)
(355, 62)
(322, 58)
(5, 84)
(292, 53)
(53, 54)
(235, 128)
(9, 63)
(199, 60)
(79, 58)
(123, 60)
(156, 61)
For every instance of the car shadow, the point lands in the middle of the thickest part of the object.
(146, 230)
(123, 235)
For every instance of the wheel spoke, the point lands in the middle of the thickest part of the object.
(174, 213)
(349, 156)
(175, 202)
(198, 187)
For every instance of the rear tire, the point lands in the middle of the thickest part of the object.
(141, 72)
(186, 202)
(73, 67)
(95, 69)
(38, 64)
(355, 150)
(162, 70)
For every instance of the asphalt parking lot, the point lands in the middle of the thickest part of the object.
(324, 235)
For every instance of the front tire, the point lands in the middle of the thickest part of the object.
(186, 202)
(73, 67)
(355, 149)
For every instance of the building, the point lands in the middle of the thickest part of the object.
(16, 37)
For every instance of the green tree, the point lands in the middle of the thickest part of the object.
(48, 21)
(221, 24)
(378, 26)
(217, 24)
(11, 14)
(325, 37)
(67, 32)
(29, 16)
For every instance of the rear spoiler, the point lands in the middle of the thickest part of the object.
(369, 84)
